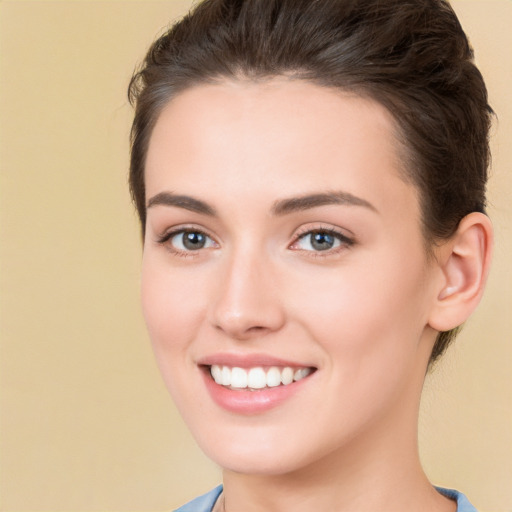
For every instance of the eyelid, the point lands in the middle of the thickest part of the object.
(323, 227)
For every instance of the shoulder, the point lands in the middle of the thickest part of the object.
(202, 503)
(463, 504)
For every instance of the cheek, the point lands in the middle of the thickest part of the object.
(367, 317)
(368, 325)
(172, 304)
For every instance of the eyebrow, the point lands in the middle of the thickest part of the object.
(297, 204)
(279, 208)
(181, 201)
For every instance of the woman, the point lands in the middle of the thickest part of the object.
(310, 179)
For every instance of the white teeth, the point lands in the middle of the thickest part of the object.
(216, 372)
(256, 378)
(226, 376)
(239, 378)
(287, 376)
(273, 377)
(301, 373)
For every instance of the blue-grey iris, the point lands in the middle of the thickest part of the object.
(322, 241)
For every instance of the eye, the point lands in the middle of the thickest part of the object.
(321, 241)
(187, 240)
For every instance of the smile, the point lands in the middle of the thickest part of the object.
(257, 377)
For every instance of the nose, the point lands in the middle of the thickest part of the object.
(247, 304)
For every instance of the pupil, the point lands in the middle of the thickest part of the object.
(322, 241)
(194, 241)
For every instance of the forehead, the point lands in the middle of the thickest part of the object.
(274, 138)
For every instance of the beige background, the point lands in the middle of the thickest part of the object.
(86, 424)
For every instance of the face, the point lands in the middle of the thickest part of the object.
(284, 255)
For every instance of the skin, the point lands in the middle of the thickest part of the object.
(360, 313)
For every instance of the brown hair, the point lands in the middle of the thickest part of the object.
(411, 56)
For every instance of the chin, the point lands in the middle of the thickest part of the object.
(259, 456)
(255, 464)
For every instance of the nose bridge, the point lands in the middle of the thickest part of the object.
(247, 302)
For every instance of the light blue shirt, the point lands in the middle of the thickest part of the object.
(203, 503)
(206, 502)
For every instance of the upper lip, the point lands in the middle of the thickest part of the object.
(248, 361)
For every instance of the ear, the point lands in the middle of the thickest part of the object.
(464, 264)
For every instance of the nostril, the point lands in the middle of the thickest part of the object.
(242, 332)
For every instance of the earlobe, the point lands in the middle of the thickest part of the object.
(464, 262)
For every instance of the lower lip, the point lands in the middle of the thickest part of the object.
(245, 401)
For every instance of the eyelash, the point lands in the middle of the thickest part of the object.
(168, 235)
(345, 241)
